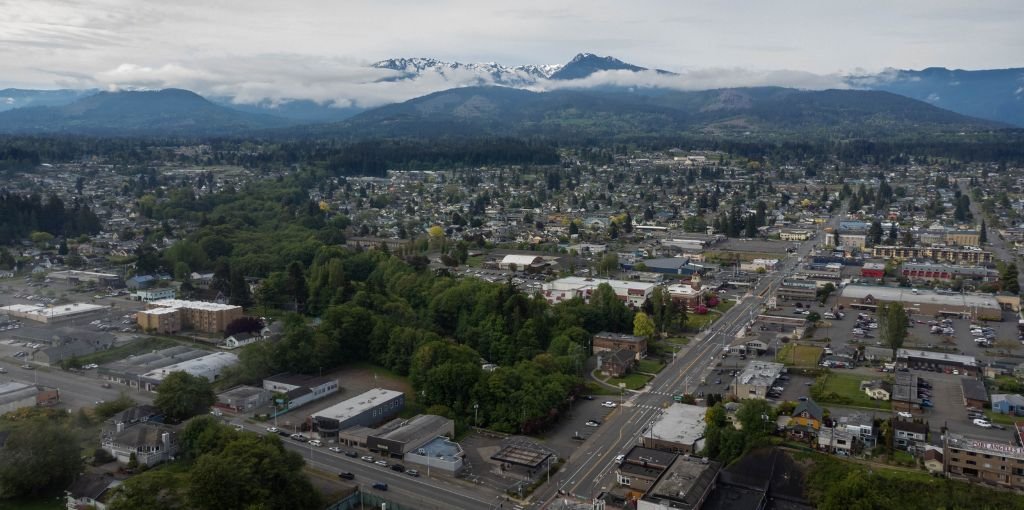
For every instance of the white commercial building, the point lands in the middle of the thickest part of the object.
(209, 367)
(564, 289)
(520, 262)
(57, 313)
(678, 429)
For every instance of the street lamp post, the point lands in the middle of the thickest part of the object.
(476, 414)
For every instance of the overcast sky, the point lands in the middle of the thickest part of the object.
(320, 48)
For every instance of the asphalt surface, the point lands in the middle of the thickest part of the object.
(423, 492)
(77, 390)
(591, 469)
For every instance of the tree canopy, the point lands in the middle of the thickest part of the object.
(182, 395)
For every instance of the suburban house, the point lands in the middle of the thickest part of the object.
(756, 345)
(933, 461)
(606, 341)
(806, 419)
(617, 363)
(835, 440)
(241, 340)
(90, 491)
(861, 425)
(877, 390)
(1008, 404)
(909, 433)
(150, 443)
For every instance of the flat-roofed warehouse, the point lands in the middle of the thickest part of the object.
(755, 380)
(678, 428)
(410, 435)
(53, 314)
(370, 408)
(924, 302)
(129, 370)
(208, 367)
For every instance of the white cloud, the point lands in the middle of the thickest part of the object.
(703, 79)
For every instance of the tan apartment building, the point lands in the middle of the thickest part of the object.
(945, 254)
(170, 316)
(984, 460)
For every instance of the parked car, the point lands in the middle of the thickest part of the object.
(412, 472)
(983, 423)
(335, 449)
(904, 414)
(346, 475)
(608, 403)
(351, 454)
(315, 442)
(382, 463)
(398, 467)
(619, 458)
(367, 458)
(593, 423)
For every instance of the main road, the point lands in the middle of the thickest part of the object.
(423, 492)
(590, 470)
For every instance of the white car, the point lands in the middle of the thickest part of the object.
(904, 414)
(335, 449)
(982, 423)
(315, 442)
(608, 404)
(272, 430)
(619, 459)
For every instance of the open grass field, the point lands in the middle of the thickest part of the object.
(800, 355)
(650, 366)
(633, 381)
(844, 389)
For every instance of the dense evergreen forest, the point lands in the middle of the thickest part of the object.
(23, 215)
(340, 157)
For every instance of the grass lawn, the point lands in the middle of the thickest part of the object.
(477, 261)
(633, 381)
(694, 322)
(650, 366)
(724, 306)
(137, 347)
(678, 340)
(1002, 419)
(800, 355)
(599, 389)
(844, 389)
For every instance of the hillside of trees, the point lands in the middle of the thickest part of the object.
(22, 215)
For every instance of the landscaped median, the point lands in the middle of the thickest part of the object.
(844, 389)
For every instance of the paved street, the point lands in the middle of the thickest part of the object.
(590, 470)
(423, 492)
(77, 390)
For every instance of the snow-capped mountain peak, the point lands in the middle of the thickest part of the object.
(582, 65)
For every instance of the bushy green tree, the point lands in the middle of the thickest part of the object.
(182, 395)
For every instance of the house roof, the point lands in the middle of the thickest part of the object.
(1013, 399)
(622, 357)
(143, 434)
(137, 413)
(811, 407)
(91, 486)
(910, 426)
(973, 389)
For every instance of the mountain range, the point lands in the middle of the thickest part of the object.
(544, 99)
